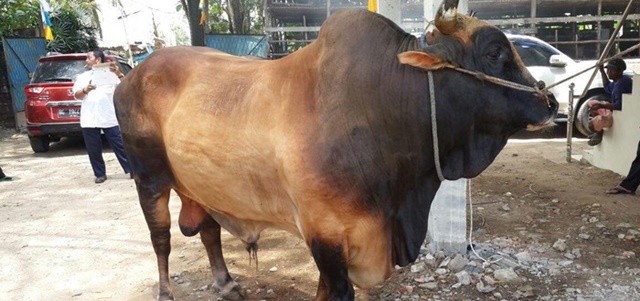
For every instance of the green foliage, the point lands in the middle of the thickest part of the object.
(70, 33)
(87, 10)
(182, 37)
(252, 10)
(68, 18)
(218, 22)
(255, 14)
(18, 14)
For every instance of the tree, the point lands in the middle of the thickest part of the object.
(239, 15)
(225, 16)
(236, 12)
(87, 10)
(218, 22)
(17, 15)
(70, 33)
(73, 22)
(182, 37)
(191, 8)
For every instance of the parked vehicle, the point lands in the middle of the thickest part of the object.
(51, 110)
(548, 64)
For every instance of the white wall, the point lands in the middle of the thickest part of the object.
(618, 147)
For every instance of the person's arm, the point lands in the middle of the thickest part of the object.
(602, 105)
(79, 86)
(116, 70)
(80, 94)
(603, 75)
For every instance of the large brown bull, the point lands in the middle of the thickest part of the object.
(331, 143)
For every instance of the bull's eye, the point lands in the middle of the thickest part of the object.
(494, 54)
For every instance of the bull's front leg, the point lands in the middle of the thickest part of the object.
(334, 283)
(155, 207)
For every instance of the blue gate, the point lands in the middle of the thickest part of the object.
(253, 45)
(21, 56)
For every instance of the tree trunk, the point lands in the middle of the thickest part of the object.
(236, 16)
(193, 15)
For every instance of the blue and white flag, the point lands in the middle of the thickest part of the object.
(46, 22)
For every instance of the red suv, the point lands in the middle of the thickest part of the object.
(51, 110)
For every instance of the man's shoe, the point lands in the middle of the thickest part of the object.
(101, 179)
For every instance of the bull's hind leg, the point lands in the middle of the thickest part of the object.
(334, 284)
(155, 206)
(194, 219)
(154, 182)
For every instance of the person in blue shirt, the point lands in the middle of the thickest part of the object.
(615, 84)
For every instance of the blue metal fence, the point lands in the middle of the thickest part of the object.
(21, 55)
(254, 45)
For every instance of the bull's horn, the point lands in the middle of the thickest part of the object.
(447, 19)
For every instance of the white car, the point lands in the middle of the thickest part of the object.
(548, 64)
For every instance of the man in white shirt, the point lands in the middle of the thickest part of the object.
(98, 114)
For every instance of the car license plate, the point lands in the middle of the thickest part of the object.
(68, 113)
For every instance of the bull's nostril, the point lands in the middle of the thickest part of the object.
(553, 104)
(540, 84)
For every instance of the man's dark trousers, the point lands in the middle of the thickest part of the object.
(93, 143)
(632, 181)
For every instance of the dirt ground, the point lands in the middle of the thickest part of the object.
(62, 237)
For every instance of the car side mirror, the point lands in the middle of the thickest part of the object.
(557, 60)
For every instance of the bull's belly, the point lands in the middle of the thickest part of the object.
(243, 197)
(234, 184)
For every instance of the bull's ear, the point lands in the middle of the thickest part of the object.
(423, 60)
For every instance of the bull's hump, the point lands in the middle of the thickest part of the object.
(364, 26)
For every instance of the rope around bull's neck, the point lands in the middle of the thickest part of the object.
(542, 93)
(436, 158)
(434, 126)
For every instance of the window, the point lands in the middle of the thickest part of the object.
(58, 71)
(533, 54)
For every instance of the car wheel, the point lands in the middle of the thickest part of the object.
(39, 144)
(582, 118)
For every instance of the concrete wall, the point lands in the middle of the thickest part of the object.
(619, 143)
(448, 219)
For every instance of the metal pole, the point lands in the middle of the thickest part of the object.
(306, 33)
(126, 35)
(599, 24)
(570, 122)
(534, 14)
(608, 47)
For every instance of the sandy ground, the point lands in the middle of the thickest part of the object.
(62, 237)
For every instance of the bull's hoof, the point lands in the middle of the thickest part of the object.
(230, 291)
